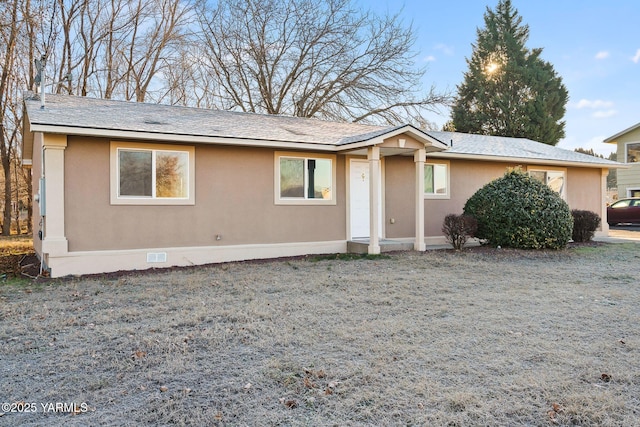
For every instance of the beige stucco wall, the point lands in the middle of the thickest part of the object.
(584, 189)
(234, 193)
(399, 204)
(466, 177)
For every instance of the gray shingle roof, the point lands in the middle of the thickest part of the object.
(521, 148)
(91, 113)
(81, 113)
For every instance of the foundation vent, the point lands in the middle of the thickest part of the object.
(156, 257)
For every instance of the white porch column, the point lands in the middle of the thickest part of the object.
(373, 155)
(419, 158)
(55, 241)
(603, 203)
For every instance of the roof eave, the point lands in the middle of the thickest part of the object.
(179, 138)
(525, 160)
(611, 139)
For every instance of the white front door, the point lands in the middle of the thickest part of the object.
(359, 199)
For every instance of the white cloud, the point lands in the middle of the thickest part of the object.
(636, 57)
(447, 50)
(597, 145)
(603, 114)
(603, 54)
(429, 58)
(596, 103)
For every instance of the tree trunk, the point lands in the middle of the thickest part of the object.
(6, 218)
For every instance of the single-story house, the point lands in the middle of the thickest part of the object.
(122, 186)
(628, 150)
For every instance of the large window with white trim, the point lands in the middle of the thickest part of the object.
(151, 174)
(304, 179)
(436, 180)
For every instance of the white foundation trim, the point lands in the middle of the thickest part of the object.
(92, 262)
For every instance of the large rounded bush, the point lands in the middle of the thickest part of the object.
(519, 211)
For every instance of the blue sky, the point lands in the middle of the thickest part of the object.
(593, 45)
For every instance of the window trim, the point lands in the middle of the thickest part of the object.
(299, 201)
(114, 174)
(547, 169)
(626, 152)
(446, 195)
(629, 191)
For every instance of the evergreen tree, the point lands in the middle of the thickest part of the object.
(509, 90)
(612, 178)
(588, 151)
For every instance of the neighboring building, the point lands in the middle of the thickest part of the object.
(122, 186)
(628, 143)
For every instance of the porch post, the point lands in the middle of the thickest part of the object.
(55, 241)
(604, 225)
(419, 158)
(373, 155)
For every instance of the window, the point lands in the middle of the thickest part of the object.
(633, 192)
(553, 178)
(436, 180)
(304, 179)
(151, 174)
(633, 152)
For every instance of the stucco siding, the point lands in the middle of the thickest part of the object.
(399, 176)
(584, 190)
(467, 177)
(234, 200)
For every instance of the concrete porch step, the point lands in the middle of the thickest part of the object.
(360, 246)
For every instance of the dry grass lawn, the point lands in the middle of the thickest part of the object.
(15, 245)
(13, 252)
(480, 337)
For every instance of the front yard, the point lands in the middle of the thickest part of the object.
(479, 337)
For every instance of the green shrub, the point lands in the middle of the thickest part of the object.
(585, 224)
(519, 211)
(458, 229)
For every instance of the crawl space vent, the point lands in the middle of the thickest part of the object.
(156, 257)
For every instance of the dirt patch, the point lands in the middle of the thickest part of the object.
(478, 337)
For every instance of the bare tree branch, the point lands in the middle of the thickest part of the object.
(313, 59)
